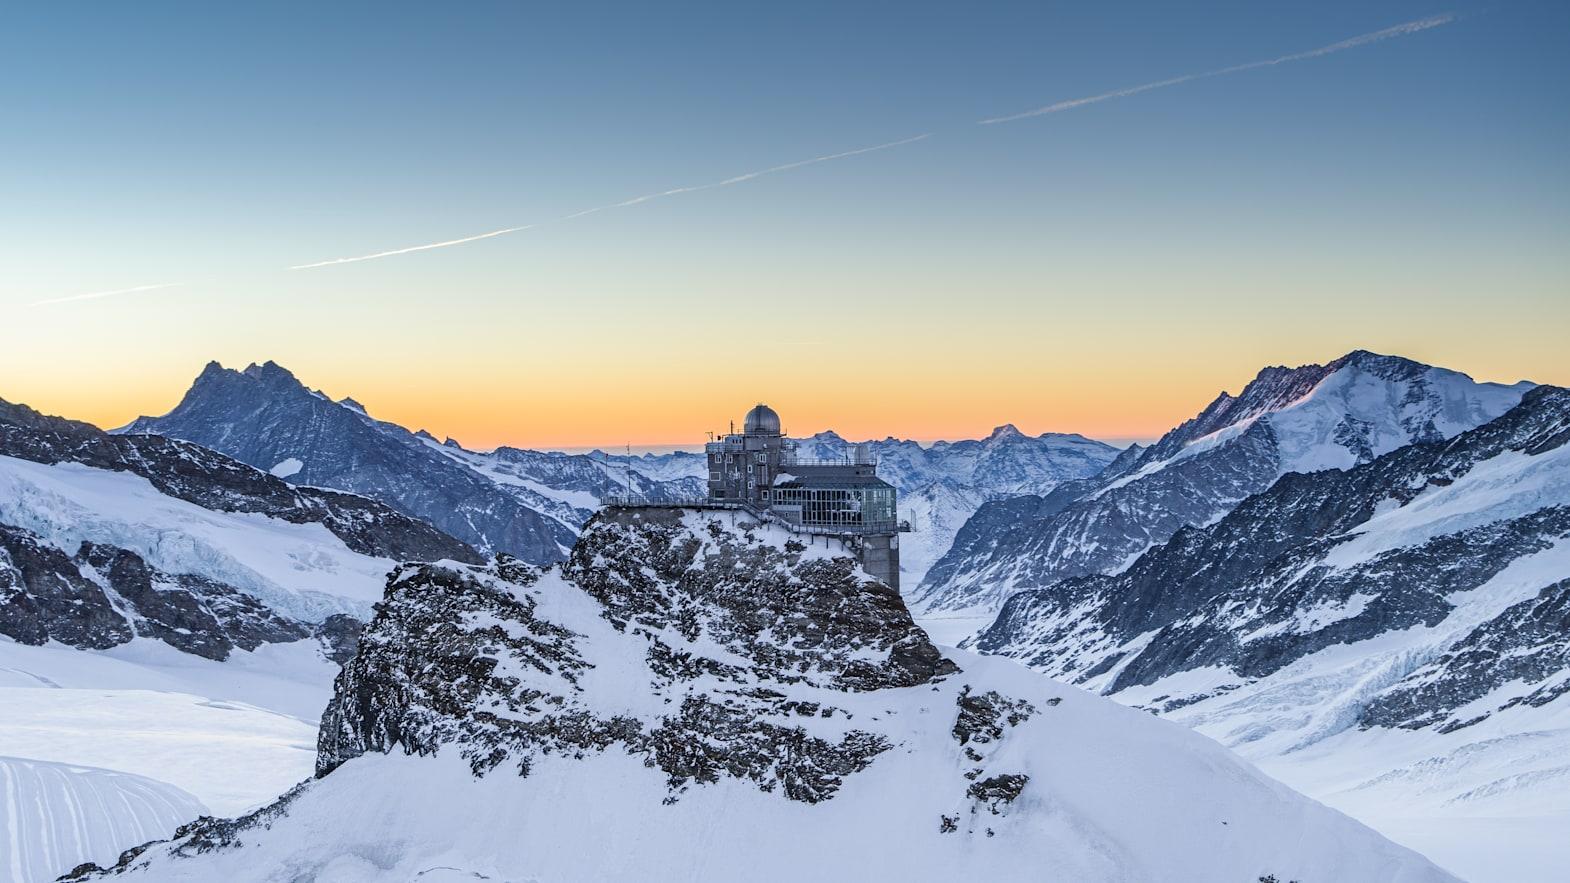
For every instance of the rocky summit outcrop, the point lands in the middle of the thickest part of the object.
(772, 616)
(1307, 419)
(693, 695)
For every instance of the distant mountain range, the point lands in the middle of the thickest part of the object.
(942, 484)
(1315, 417)
(532, 503)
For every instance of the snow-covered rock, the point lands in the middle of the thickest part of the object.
(693, 696)
(104, 537)
(1303, 419)
(150, 591)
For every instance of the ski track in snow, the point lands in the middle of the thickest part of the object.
(56, 816)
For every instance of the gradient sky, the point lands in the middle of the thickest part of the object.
(1106, 269)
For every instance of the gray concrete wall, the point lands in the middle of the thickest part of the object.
(880, 557)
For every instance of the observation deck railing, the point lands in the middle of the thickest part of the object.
(875, 528)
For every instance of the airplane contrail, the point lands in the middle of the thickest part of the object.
(92, 295)
(1400, 30)
(623, 204)
(429, 245)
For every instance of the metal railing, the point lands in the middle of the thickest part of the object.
(788, 461)
(876, 527)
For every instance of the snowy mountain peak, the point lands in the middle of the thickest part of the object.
(270, 372)
(1005, 433)
(1302, 419)
(353, 405)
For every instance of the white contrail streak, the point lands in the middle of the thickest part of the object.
(93, 295)
(623, 204)
(1400, 30)
(430, 245)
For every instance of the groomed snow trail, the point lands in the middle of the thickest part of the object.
(56, 816)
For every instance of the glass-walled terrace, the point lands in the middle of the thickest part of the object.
(869, 508)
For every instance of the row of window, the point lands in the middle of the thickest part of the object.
(837, 506)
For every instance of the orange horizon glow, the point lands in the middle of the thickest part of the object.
(1115, 407)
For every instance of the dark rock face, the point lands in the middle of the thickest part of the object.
(190, 613)
(203, 835)
(465, 657)
(44, 596)
(1272, 583)
(983, 722)
(100, 596)
(104, 596)
(265, 417)
(982, 717)
(213, 481)
(710, 647)
(340, 636)
(1144, 499)
(1488, 658)
(997, 791)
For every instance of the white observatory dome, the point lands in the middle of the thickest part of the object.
(762, 420)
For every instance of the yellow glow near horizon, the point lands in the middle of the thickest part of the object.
(677, 404)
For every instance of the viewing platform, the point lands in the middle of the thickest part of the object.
(766, 515)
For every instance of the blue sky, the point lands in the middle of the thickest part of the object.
(1408, 195)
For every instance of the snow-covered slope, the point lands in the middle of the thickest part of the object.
(1304, 419)
(524, 503)
(1394, 638)
(171, 618)
(696, 697)
(79, 813)
(227, 736)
